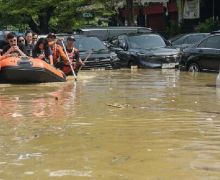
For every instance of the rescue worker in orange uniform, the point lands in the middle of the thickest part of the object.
(73, 55)
(58, 53)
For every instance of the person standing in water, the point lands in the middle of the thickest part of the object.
(73, 54)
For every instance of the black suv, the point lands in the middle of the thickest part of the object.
(101, 57)
(145, 50)
(204, 56)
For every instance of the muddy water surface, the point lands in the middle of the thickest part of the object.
(147, 124)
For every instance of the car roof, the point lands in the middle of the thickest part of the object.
(215, 32)
(113, 28)
(139, 34)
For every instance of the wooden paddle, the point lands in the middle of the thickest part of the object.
(87, 57)
(70, 63)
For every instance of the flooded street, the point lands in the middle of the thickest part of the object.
(146, 124)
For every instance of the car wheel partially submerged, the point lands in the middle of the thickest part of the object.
(193, 67)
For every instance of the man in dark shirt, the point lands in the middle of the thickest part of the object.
(3, 42)
(13, 47)
(28, 43)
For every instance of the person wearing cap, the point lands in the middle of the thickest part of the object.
(73, 55)
(58, 53)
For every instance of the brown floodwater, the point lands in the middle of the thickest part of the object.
(144, 124)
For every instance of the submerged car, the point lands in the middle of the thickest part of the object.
(183, 41)
(204, 56)
(145, 50)
(101, 57)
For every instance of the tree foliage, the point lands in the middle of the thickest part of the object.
(40, 15)
(43, 16)
(208, 26)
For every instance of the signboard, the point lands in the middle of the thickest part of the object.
(191, 9)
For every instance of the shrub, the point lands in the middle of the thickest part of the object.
(208, 26)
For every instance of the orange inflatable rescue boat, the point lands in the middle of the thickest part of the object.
(28, 70)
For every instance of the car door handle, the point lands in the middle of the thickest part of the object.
(200, 51)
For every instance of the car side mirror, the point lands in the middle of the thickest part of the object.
(168, 43)
(107, 44)
(124, 46)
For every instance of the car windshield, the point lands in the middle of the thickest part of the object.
(146, 41)
(88, 43)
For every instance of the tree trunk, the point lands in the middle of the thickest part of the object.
(130, 12)
(32, 24)
(44, 19)
(44, 24)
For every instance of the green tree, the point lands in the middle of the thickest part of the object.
(111, 4)
(43, 16)
(40, 14)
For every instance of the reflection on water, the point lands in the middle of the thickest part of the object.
(144, 124)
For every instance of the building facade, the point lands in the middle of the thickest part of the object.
(160, 14)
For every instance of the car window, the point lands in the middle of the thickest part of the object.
(100, 33)
(88, 43)
(179, 41)
(146, 41)
(194, 38)
(211, 42)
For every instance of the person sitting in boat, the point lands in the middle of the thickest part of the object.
(34, 38)
(43, 51)
(13, 47)
(4, 41)
(21, 40)
(28, 43)
(58, 53)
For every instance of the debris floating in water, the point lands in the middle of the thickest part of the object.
(209, 119)
(29, 173)
(61, 173)
(27, 156)
(115, 105)
(154, 99)
(16, 115)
